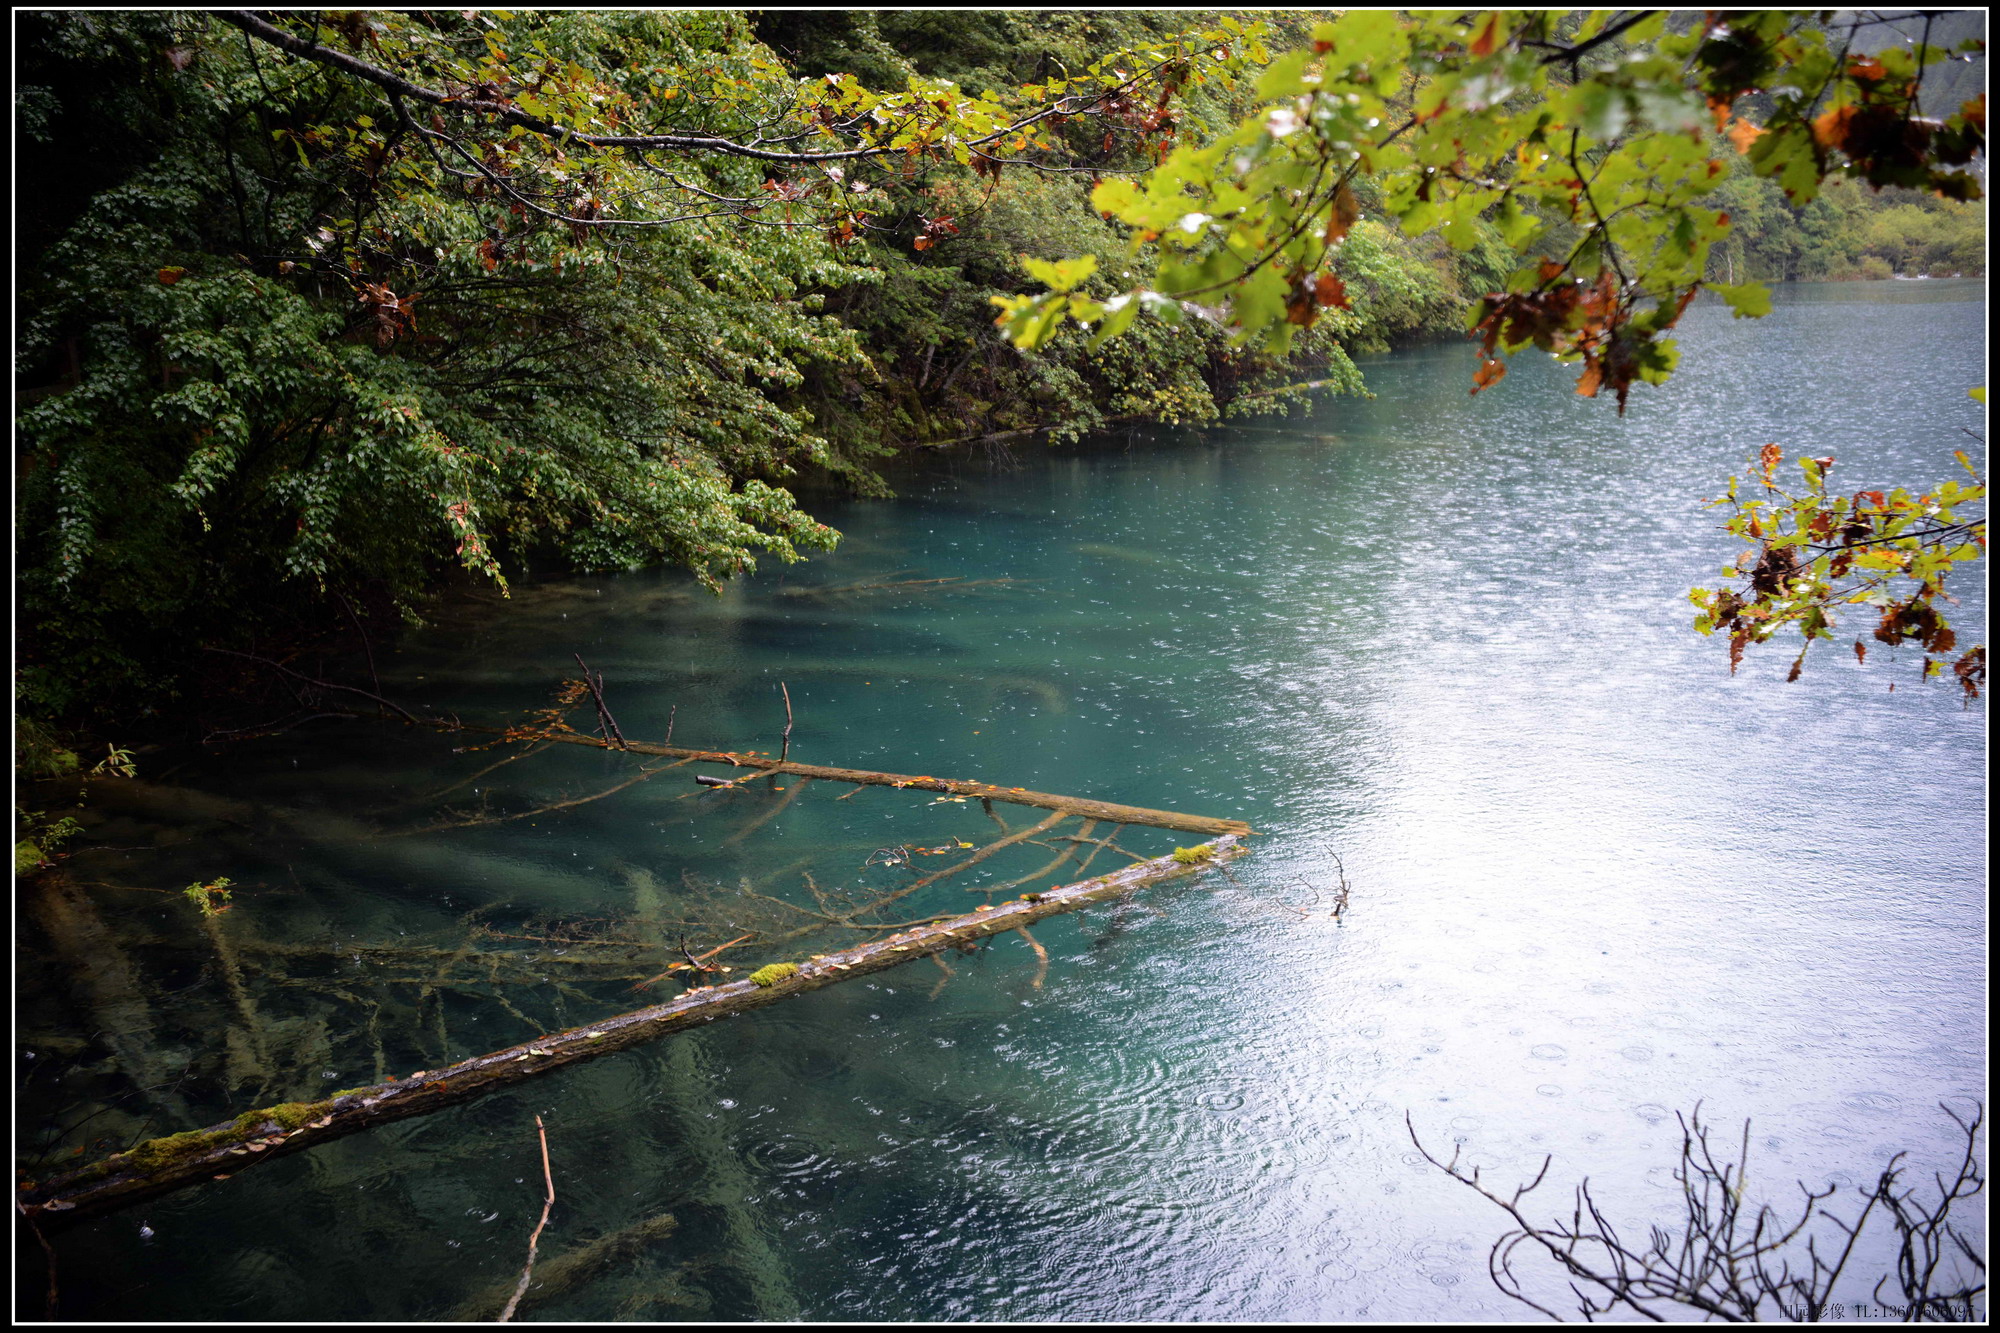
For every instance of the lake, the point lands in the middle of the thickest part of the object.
(1434, 643)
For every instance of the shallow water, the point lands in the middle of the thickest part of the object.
(1595, 879)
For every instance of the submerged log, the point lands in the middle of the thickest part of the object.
(1075, 805)
(161, 1166)
(567, 1269)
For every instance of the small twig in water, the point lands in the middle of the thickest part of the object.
(785, 749)
(50, 1303)
(548, 1202)
(696, 962)
(607, 725)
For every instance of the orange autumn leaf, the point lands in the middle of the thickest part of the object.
(1491, 371)
(1742, 133)
(1487, 39)
(1346, 212)
(1865, 68)
(1830, 130)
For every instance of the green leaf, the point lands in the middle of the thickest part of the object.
(1062, 276)
(1749, 300)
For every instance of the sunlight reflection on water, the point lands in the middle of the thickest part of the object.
(1596, 878)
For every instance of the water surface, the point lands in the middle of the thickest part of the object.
(1438, 643)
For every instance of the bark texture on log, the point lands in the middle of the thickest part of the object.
(161, 1166)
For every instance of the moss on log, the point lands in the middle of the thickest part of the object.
(161, 1166)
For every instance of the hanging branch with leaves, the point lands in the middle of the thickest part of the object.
(1590, 147)
(1818, 551)
(488, 102)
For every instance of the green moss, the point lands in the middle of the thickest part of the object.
(1194, 856)
(27, 857)
(159, 1154)
(773, 974)
(287, 1115)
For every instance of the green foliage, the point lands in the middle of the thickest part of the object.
(38, 839)
(773, 973)
(116, 763)
(1194, 856)
(1594, 150)
(301, 338)
(42, 756)
(306, 360)
(1582, 142)
(210, 899)
(39, 752)
(335, 304)
(1816, 552)
(1846, 232)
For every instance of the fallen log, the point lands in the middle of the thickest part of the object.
(161, 1166)
(1074, 805)
(559, 733)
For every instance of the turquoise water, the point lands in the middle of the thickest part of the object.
(1437, 643)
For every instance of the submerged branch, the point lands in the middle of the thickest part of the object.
(162, 1166)
(1073, 805)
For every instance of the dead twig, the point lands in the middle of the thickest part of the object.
(548, 1202)
(606, 724)
(366, 647)
(694, 961)
(785, 750)
(1080, 807)
(1734, 1261)
(1108, 843)
(518, 754)
(989, 849)
(49, 1302)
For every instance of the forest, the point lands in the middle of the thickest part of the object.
(286, 362)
